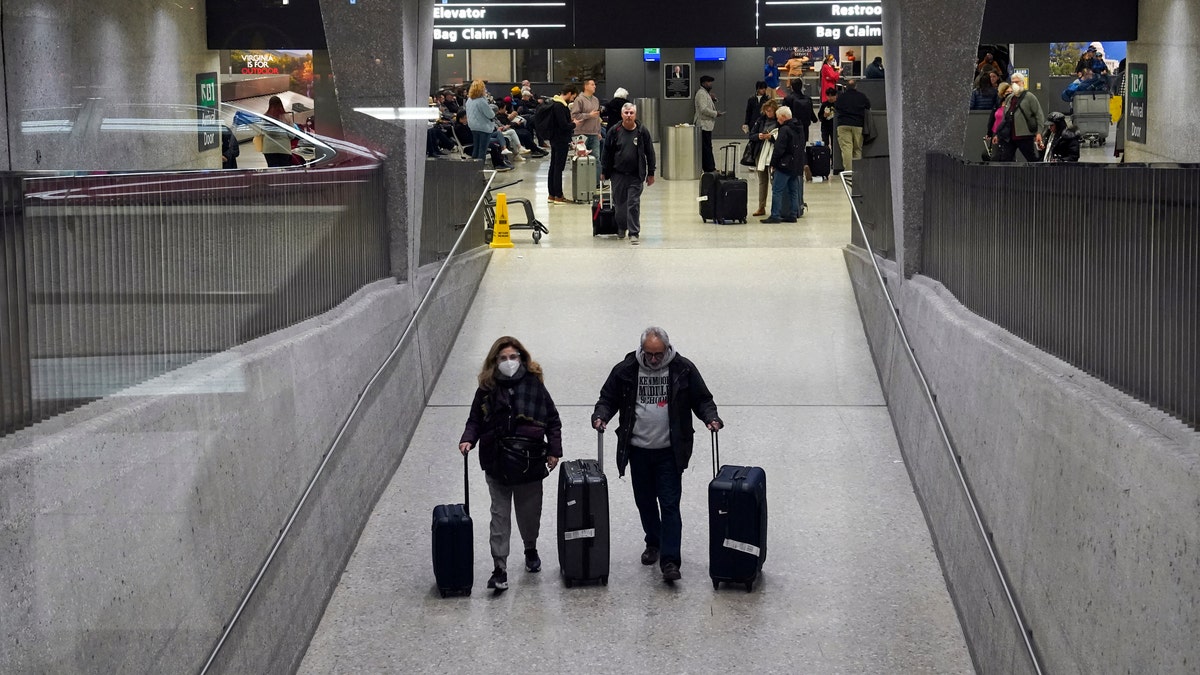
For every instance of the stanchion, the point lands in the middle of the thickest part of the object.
(500, 234)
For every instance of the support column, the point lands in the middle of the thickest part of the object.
(929, 48)
(381, 54)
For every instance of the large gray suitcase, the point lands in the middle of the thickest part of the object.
(583, 179)
(1091, 116)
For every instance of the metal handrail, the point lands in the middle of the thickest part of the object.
(333, 447)
(847, 182)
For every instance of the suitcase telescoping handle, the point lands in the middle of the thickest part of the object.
(730, 154)
(716, 453)
(466, 484)
(600, 448)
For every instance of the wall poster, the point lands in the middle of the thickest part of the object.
(678, 82)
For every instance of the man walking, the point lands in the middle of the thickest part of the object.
(706, 115)
(585, 111)
(655, 390)
(852, 107)
(628, 162)
(788, 161)
(553, 122)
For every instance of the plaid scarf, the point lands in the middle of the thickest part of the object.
(525, 402)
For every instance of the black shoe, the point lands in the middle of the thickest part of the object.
(499, 580)
(671, 572)
(790, 220)
(770, 220)
(650, 555)
(532, 562)
(621, 234)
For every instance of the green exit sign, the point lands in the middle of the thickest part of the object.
(208, 127)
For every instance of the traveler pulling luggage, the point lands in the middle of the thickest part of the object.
(453, 544)
(604, 219)
(583, 538)
(737, 522)
(723, 196)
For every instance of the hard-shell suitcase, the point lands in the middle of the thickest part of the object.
(724, 196)
(737, 523)
(583, 520)
(819, 160)
(604, 220)
(453, 545)
(583, 179)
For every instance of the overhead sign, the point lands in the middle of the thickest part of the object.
(506, 24)
(820, 22)
(1135, 112)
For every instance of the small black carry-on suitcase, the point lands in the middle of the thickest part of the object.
(604, 218)
(723, 196)
(583, 520)
(453, 545)
(737, 522)
(819, 160)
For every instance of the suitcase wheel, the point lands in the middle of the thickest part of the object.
(468, 592)
(716, 585)
(537, 235)
(442, 592)
(749, 586)
(487, 236)
(604, 580)
(568, 583)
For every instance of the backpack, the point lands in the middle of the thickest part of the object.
(543, 119)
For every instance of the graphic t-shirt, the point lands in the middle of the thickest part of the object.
(652, 426)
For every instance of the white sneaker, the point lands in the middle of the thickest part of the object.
(525, 151)
(506, 151)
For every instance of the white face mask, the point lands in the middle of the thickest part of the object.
(509, 368)
(1016, 89)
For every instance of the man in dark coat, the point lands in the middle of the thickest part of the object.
(788, 161)
(655, 391)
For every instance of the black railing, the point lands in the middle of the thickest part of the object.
(1096, 264)
(112, 280)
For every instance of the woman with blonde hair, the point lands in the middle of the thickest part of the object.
(481, 118)
(519, 432)
(762, 141)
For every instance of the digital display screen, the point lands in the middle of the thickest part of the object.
(503, 24)
(652, 54)
(710, 54)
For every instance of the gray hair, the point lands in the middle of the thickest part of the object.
(783, 111)
(657, 332)
(629, 106)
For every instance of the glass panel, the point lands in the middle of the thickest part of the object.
(493, 65)
(449, 67)
(576, 65)
(532, 64)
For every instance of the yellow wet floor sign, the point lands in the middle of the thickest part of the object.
(500, 234)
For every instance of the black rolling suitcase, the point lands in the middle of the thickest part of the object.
(604, 220)
(583, 519)
(737, 522)
(453, 545)
(819, 160)
(724, 196)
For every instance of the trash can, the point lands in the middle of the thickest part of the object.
(680, 152)
(647, 111)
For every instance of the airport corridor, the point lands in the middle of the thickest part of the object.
(851, 583)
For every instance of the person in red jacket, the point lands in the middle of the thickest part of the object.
(829, 76)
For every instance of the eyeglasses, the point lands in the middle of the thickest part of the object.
(511, 357)
(655, 355)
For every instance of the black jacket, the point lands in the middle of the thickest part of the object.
(789, 149)
(519, 407)
(564, 126)
(645, 151)
(611, 112)
(802, 111)
(687, 394)
(852, 106)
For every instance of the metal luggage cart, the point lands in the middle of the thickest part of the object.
(531, 222)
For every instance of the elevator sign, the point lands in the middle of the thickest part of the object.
(506, 24)
(1136, 113)
(821, 22)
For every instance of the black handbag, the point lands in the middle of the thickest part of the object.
(520, 459)
(750, 153)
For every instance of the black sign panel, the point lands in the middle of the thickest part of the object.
(626, 24)
(503, 24)
(820, 22)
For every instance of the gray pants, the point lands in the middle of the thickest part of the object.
(527, 498)
(627, 203)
